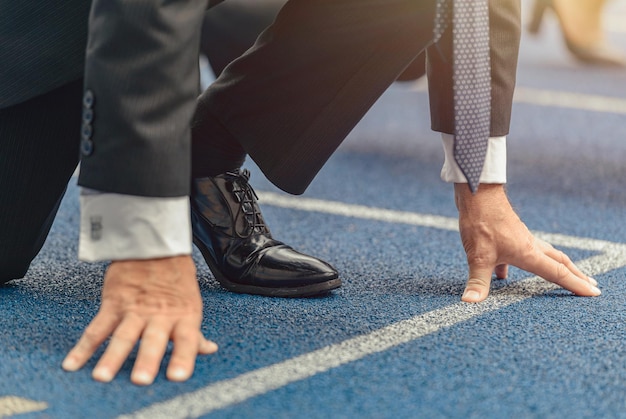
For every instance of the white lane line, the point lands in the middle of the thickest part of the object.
(254, 383)
(358, 211)
(13, 405)
(226, 393)
(558, 99)
(594, 103)
(411, 218)
(613, 254)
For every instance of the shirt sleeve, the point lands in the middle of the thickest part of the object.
(494, 170)
(121, 227)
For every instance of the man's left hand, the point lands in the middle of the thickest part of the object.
(494, 237)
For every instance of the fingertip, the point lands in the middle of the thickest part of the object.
(591, 291)
(592, 281)
(70, 364)
(178, 374)
(502, 271)
(477, 287)
(207, 347)
(103, 375)
(471, 296)
(141, 378)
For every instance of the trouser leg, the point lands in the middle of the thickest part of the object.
(39, 142)
(227, 32)
(230, 29)
(310, 78)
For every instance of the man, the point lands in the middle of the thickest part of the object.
(42, 57)
(289, 102)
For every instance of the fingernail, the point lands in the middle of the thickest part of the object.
(471, 295)
(593, 281)
(102, 374)
(596, 291)
(178, 374)
(142, 378)
(70, 364)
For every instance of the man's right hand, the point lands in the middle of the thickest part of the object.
(155, 300)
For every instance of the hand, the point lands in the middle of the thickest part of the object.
(155, 300)
(494, 237)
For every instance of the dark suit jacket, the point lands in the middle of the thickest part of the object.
(290, 100)
(42, 47)
(141, 85)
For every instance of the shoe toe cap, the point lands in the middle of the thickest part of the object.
(288, 267)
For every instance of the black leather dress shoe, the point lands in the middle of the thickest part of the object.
(229, 230)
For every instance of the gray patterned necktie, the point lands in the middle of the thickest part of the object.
(471, 81)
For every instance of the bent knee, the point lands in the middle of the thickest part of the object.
(13, 269)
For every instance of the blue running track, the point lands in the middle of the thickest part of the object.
(394, 341)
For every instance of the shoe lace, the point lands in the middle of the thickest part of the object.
(247, 199)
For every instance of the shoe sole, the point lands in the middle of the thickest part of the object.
(285, 292)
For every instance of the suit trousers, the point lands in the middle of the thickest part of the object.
(38, 154)
(293, 98)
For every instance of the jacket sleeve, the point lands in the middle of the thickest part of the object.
(505, 32)
(141, 83)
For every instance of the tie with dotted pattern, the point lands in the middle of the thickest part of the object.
(471, 81)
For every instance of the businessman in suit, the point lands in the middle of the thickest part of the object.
(42, 66)
(347, 52)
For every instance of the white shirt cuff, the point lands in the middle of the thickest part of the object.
(122, 227)
(494, 170)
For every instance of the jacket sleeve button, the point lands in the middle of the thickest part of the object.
(87, 115)
(86, 147)
(86, 131)
(88, 99)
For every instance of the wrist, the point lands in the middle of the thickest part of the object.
(488, 196)
(494, 166)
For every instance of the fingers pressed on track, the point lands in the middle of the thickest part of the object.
(207, 346)
(152, 348)
(558, 272)
(122, 342)
(94, 335)
(478, 284)
(187, 342)
(502, 271)
(561, 257)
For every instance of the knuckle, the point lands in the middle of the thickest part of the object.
(478, 282)
(91, 336)
(480, 260)
(561, 272)
(155, 335)
(187, 339)
(531, 245)
(563, 258)
(123, 338)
